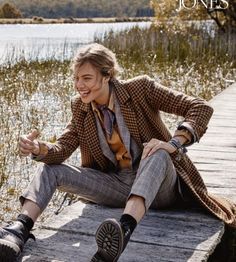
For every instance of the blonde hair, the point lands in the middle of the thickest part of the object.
(102, 58)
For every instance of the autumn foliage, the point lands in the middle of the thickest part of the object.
(9, 11)
(223, 12)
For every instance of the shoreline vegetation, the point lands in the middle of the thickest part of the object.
(72, 20)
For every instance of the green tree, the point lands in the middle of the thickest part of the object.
(10, 11)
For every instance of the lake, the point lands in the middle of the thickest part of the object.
(52, 40)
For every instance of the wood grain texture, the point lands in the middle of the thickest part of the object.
(171, 235)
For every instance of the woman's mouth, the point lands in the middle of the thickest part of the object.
(84, 94)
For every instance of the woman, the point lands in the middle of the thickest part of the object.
(128, 157)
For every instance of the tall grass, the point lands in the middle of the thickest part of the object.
(171, 43)
(36, 94)
(33, 95)
(196, 60)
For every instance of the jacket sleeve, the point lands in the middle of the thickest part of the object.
(65, 145)
(195, 111)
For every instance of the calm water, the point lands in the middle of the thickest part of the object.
(52, 40)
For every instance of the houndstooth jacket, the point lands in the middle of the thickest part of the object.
(141, 99)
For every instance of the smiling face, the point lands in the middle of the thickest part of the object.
(91, 84)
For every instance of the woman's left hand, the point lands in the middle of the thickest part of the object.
(154, 144)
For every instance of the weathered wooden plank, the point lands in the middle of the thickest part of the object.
(219, 141)
(151, 230)
(227, 182)
(224, 192)
(223, 124)
(215, 163)
(213, 136)
(81, 210)
(203, 159)
(220, 119)
(208, 156)
(172, 231)
(217, 173)
(61, 246)
(212, 148)
(219, 131)
(224, 102)
(222, 143)
(223, 112)
(213, 167)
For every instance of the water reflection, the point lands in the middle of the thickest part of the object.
(53, 40)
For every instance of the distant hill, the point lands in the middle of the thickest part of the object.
(82, 8)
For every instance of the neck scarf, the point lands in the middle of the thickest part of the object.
(108, 119)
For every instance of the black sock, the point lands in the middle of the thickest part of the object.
(128, 220)
(26, 221)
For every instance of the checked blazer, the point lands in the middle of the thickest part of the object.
(141, 99)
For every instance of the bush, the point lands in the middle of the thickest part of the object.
(10, 11)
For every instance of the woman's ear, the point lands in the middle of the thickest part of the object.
(105, 79)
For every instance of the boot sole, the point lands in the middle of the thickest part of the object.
(95, 259)
(8, 252)
(109, 238)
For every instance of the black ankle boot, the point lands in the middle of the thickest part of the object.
(12, 240)
(127, 234)
(111, 238)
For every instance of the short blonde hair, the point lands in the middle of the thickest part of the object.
(102, 58)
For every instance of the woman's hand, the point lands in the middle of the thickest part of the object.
(154, 144)
(28, 144)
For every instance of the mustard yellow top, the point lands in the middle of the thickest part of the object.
(115, 141)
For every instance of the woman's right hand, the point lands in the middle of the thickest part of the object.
(28, 144)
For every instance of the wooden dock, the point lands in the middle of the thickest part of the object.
(173, 235)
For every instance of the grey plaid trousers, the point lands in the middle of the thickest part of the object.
(155, 181)
(154, 178)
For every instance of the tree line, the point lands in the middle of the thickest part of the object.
(81, 8)
(223, 12)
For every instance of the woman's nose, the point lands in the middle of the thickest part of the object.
(79, 84)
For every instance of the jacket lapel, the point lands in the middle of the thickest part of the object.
(127, 111)
(103, 143)
(130, 119)
(124, 132)
(92, 138)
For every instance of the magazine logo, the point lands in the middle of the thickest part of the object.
(212, 4)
